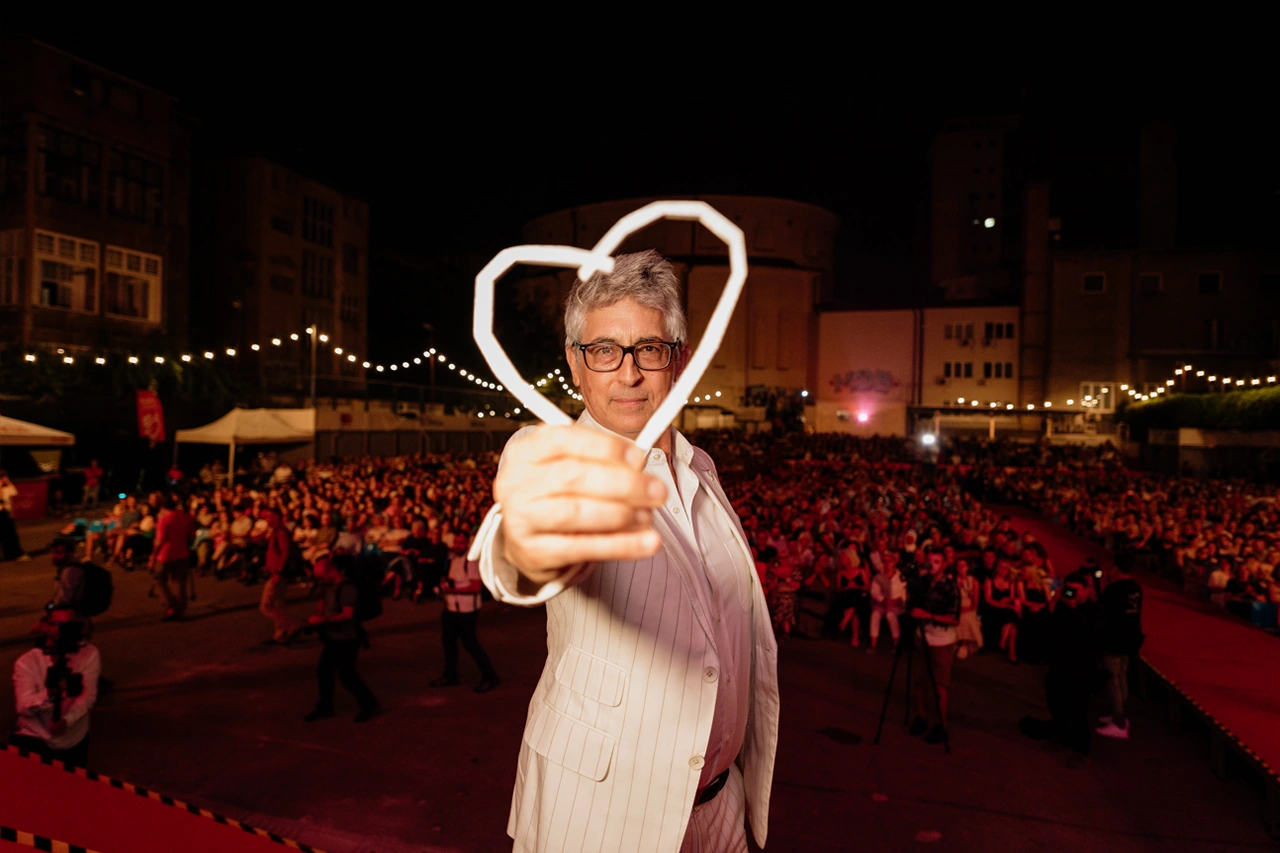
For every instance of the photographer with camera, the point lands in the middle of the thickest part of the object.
(1072, 650)
(937, 615)
(56, 685)
(338, 623)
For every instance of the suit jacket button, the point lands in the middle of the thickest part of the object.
(696, 762)
(709, 674)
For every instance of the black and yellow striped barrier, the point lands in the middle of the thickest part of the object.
(1214, 721)
(39, 842)
(159, 798)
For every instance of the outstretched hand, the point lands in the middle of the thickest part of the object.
(571, 495)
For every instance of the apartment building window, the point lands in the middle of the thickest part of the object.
(947, 329)
(317, 222)
(350, 310)
(968, 370)
(1008, 331)
(68, 167)
(1103, 392)
(282, 283)
(1210, 282)
(13, 160)
(986, 370)
(946, 369)
(282, 224)
(65, 280)
(968, 331)
(1093, 283)
(317, 276)
(350, 259)
(999, 370)
(133, 284)
(990, 331)
(1008, 370)
(135, 188)
(1150, 283)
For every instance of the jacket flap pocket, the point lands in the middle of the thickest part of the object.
(591, 676)
(569, 743)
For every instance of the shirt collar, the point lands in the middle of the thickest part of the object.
(682, 449)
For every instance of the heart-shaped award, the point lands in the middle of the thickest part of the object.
(600, 258)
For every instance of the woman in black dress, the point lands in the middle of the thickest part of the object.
(853, 595)
(1003, 597)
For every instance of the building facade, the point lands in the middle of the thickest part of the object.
(970, 354)
(771, 343)
(1134, 317)
(868, 363)
(279, 252)
(95, 180)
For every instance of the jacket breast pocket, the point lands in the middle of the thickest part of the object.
(592, 677)
(569, 743)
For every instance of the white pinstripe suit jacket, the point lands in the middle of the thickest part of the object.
(619, 722)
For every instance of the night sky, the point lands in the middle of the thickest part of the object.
(456, 144)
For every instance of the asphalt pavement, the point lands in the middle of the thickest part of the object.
(205, 711)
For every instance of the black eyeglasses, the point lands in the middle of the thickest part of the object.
(648, 355)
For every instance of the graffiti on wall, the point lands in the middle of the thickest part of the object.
(879, 381)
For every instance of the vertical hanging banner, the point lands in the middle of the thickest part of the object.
(150, 417)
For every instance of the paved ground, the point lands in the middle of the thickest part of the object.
(205, 711)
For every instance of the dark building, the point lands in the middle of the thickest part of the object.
(95, 177)
(278, 252)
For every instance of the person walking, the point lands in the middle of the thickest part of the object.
(276, 564)
(1122, 638)
(339, 627)
(10, 546)
(175, 530)
(92, 486)
(461, 592)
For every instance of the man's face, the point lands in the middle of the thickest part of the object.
(622, 401)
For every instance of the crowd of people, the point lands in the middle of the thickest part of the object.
(853, 538)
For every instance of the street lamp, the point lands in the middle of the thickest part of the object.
(431, 336)
(313, 333)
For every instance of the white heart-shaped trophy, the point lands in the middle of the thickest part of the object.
(600, 259)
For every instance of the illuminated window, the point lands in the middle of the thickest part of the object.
(133, 284)
(1103, 393)
(65, 281)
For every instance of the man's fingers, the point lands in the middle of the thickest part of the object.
(551, 442)
(552, 551)
(569, 515)
(577, 478)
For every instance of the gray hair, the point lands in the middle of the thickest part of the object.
(646, 277)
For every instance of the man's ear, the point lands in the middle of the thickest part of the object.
(571, 356)
(681, 359)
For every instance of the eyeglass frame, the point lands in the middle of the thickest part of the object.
(631, 350)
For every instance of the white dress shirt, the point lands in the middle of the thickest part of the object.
(35, 708)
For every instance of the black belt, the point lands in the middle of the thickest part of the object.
(708, 793)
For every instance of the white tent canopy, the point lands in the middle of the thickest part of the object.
(22, 433)
(252, 426)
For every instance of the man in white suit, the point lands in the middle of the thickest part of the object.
(655, 722)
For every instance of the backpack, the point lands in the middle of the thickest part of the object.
(366, 577)
(96, 589)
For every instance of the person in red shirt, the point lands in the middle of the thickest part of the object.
(92, 486)
(277, 562)
(172, 554)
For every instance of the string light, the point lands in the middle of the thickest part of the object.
(186, 357)
(99, 360)
(133, 359)
(159, 359)
(253, 347)
(28, 357)
(66, 359)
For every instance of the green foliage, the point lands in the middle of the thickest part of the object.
(1256, 409)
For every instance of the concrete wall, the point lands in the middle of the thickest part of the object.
(866, 364)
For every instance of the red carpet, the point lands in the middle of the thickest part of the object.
(48, 801)
(1222, 664)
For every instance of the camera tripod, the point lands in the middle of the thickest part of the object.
(907, 648)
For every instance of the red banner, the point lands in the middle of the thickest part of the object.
(150, 416)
